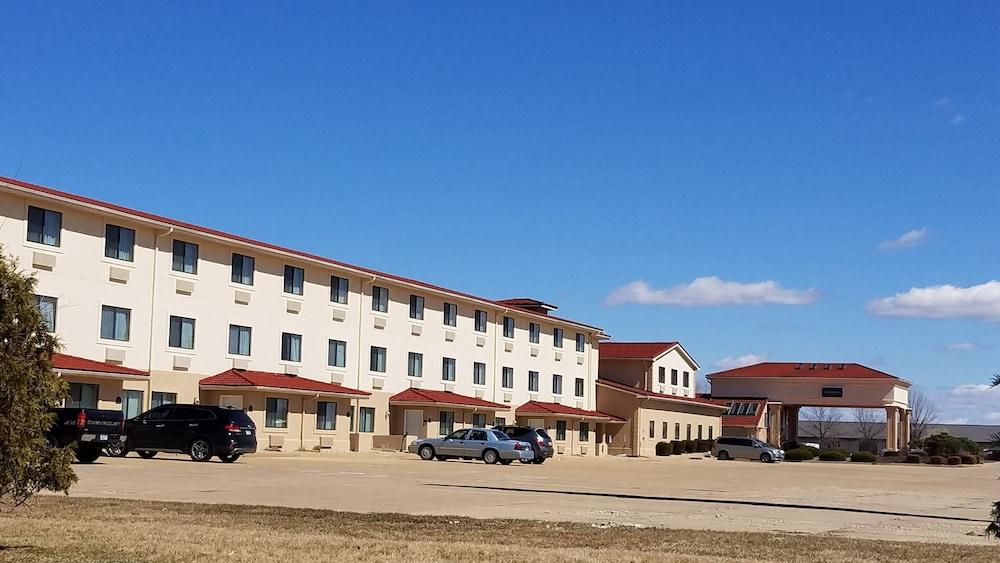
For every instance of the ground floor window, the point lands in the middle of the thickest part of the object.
(446, 422)
(131, 404)
(699, 432)
(688, 431)
(276, 413)
(82, 396)
(326, 415)
(499, 421)
(677, 431)
(584, 431)
(160, 398)
(479, 420)
(710, 429)
(560, 430)
(666, 430)
(366, 422)
(652, 429)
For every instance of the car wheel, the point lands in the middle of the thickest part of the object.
(116, 449)
(426, 453)
(506, 461)
(765, 458)
(87, 454)
(723, 455)
(538, 460)
(491, 456)
(200, 449)
(145, 454)
(229, 458)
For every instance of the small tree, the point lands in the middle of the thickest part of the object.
(923, 415)
(870, 428)
(821, 423)
(28, 388)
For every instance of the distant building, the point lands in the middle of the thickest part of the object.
(848, 435)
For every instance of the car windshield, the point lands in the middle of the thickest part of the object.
(759, 444)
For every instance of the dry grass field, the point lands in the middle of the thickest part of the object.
(53, 528)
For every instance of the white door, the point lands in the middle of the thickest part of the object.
(231, 401)
(413, 423)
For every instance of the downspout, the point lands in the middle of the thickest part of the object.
(152, 315)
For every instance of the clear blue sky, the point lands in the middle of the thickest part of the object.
(562, 152)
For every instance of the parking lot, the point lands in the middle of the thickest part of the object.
(900, 502)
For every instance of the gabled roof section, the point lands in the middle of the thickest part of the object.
(20, 185)
(806, 370)
(555, 409)
(647, 351)
(751, 420)
(428, 396)
(76, 364)
(263, 379)
(640, 392)
(533, 305)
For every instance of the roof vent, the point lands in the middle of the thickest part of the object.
(798, 366)
(842, 366)
(826, 366)
(812, 366)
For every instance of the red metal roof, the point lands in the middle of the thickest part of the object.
(633, 350)
(246, 240)
(664, 396)
(745, 420)
(76, 363)
(245, 378)
(549, 409)
(443, 397)
(806, 370)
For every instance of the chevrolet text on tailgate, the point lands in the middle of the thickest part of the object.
(89, 430)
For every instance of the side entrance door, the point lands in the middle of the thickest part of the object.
(413, 423)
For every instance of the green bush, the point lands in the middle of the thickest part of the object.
(863, 457)
(913, 458)
(831, 455)
(663, 448)
(690, 446)
(815, 451)
(891, 453)
(969, 460)
(936, 460)
(954, 460)
(790, 445)
(677, 447)
(945, 444)
(799, 454)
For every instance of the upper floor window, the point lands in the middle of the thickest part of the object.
(294, 280)
(578, 389)
(556, 384)
(291, 347)
(687, 379)
(534, 333)
(336, 354)
(416, 307)
(380, 299)
(450, 314)
(581, 342)
(480, 320)
(44, 226)
(507, 381)
(181, 332)
(47, 308)
(338, 289)
(448, 369)
(115, 323)
(415, 364)
(478, 373)
(508, 327)
(533, 381)
(377, 362)
(663, 375)
(119, 242)
(185, 257)
(557, 337)
(673, 377)
(239, 340)
(243, 267)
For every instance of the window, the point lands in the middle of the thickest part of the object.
(291, 347)
(479, 421)
(185, 257)
(499, 421)
(833, 391)
(415, 364)
(82, 396)
(673, 377)
(560, 430)
(652, 429)
(447, 369)
(276, 413)
(366, 422)
(336, 353)
(480, 321)
(417, 307)
(119, 242)
(556, 384)
(507, 382)
(477, 435)
(581, 342)
(666, 430)
(181, 332)
(534, 333)
(533, 381)
(557, 337)
(159, 398)
(131, 403)
(115, 323)
(677, 431)
(508, 327)
(239, 340)
(294, 280)
(478, 373)
(699, 432)
(450, 314)
(688, 432)
(44, 226)
(687, 379)
(380, 299)
(446, 423)
(710, 429)
(377, 362)
(47, 308)
(243, 269)
(584, 431)
(338, 289)
(578, 387)
(663, 375)
(326, 415)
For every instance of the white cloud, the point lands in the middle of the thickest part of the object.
(732, 362)
(967, 404)
(957, 119)
(942, 102)
(908, 239)
(942, 302)
(962, 346)
(711, 291)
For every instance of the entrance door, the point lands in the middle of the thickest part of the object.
(131, 404)
(413, 423)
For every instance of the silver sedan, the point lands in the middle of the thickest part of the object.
(491, 446)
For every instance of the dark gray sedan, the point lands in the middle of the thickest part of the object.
(491, 446)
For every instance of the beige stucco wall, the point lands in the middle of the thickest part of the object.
(632, 438)
(645, 373)
(571, 445)
(857, 392)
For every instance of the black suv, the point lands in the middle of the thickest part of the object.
(200, 431)
(537, 437)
